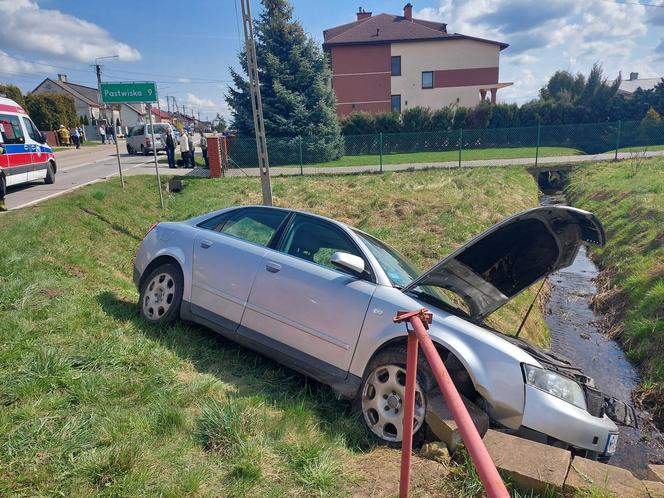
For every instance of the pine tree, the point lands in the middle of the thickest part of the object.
(293, 73)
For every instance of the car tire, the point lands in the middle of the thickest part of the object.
(50, 174)
(144, 151)
(380, 399)
(130, 151)
(161, 294)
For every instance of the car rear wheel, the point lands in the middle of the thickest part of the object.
(50, 174)
(382, 397)
(161, 294)
(130, 150)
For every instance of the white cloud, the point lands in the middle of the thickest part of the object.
(27, 27)
(11, 66)
(184, 80)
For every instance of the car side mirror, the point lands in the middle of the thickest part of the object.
(42, 138)
(349, 262)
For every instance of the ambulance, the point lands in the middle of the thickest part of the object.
(24, 154)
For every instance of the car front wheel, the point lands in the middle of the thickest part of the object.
(382, 397)
(161, 294)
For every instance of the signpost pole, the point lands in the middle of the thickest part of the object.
(154, 153)
(117, 152)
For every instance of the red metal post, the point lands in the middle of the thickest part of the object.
(493, 484)
(408, 415)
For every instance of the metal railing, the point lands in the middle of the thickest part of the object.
(454, 146)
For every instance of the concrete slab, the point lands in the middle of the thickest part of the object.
(442, 424)
(529, 464)
(655, 489)
(586, 475)
(655, 472)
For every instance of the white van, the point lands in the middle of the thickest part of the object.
(24, 154)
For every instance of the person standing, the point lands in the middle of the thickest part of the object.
(110, 134)
(204, 151)
(184, 147)
(192, 160)
(63, 136)
(76, 136)
(102, 134)
(170, 147)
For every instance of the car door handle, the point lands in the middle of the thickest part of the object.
(272, 267)
(205, 244)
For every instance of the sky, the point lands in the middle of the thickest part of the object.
(188, 47)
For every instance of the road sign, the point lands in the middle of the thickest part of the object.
(129, 91)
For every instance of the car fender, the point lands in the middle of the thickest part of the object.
(171, 240)
(493, 363)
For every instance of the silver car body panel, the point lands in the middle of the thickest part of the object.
(329, 325)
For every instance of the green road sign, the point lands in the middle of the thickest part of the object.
(130, 91)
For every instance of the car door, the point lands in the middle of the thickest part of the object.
(18, 157)
(304, 307)
(38, 158)
(227, 254)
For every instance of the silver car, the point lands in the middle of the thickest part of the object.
(319, 296)
(139, 138)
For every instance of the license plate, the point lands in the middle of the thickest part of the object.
(611, 444)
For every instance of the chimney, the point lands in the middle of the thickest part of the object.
(408, 11)
(633, 76)
(362, 14)
(62, 77)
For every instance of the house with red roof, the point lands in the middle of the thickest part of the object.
(391, 63)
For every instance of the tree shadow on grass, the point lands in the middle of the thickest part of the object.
(251, 374)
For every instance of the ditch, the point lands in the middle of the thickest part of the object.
(576, 335)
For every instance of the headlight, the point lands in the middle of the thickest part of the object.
(556, 385)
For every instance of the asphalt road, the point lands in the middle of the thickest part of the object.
(75, 169)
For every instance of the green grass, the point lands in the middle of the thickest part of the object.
(628, 197)
(87, 143)
(641, 148)
(95, 402)
(451, 155)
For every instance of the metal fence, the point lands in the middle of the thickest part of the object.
(492, 144)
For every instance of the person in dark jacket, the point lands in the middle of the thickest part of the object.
(171, 142)
(192, 160)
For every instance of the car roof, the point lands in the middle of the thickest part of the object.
(299, 211)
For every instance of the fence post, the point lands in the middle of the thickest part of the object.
(380, 149)
(539, 131)
(299, 150)
(618, 139)
(460, 144)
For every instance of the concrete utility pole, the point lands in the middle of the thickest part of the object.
(256, 102)
(115, 133)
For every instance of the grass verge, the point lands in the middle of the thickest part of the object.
(96, 402)
(628, 197)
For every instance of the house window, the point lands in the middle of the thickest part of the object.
(427, 79)
(396, 103)
(396, 65)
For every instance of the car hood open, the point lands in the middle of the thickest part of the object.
(509, 257)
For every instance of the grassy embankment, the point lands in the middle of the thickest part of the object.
(628, 197)
(96, 402)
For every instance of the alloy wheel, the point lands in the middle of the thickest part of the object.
(383, 399)
(159, 296)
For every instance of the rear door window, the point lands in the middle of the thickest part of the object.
(11, 130)
(254, 225)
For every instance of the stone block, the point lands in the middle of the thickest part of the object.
(442, 424)
(655, 472)
(589, 475)
(655, 489)
(532, 466)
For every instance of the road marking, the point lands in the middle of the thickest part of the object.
(71, 189)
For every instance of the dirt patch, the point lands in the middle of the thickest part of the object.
(657, 271)
(610, 304)
(378, 476)
(51, 292)
(73, 270)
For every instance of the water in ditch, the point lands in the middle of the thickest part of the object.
(574, 334)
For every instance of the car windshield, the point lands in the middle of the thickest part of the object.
(160, 129)
(402, 272)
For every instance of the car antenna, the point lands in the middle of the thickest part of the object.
(529, 309)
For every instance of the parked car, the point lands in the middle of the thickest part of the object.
(139, 138)
(319, 296)
(24, 154)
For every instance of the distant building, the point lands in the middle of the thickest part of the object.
(86, 102)
(628, 87)
(388, 62)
